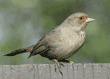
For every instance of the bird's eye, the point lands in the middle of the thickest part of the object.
(80, 18)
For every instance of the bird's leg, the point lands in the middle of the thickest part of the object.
(59, 64)
(67, 61)
(71, 62)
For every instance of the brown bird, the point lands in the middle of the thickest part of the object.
(61, 42)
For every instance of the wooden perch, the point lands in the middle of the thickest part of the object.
(47, 71)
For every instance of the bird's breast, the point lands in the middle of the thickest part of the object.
(67, 42)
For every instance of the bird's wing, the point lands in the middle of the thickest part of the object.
(44, 43)
(40, 46)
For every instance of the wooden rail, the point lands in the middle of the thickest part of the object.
(47, 71)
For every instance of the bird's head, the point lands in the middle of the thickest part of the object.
(78, 21)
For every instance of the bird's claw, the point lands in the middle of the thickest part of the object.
(59, 64)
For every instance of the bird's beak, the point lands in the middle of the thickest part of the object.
(89, 19)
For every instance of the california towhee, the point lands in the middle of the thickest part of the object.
(61, 42)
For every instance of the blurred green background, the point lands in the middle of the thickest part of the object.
(24, 22)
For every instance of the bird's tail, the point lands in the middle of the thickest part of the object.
(20, 51)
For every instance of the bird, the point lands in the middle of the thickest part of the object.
(61, 42)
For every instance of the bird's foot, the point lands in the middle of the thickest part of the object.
(59, 64)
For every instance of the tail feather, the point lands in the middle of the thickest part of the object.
(19, 51)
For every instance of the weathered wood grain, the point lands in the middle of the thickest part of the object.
(47, 71)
